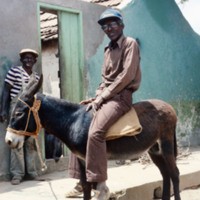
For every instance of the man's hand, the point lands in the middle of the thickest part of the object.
(95, 105)
(87, 101)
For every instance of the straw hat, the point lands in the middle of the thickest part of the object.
(23, 51)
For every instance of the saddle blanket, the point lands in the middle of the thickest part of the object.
(127, 125)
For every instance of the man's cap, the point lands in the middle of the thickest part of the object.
(23, 51)
(110, 13)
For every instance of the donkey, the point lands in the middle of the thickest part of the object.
(70, 123)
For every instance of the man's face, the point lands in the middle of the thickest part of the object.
(112, 29)
(28, 60)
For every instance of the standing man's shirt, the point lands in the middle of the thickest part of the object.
(14, 78)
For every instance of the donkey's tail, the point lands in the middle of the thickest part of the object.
(175, 144)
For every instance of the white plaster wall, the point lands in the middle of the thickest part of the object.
(50, 68)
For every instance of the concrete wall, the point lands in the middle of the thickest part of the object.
(20, 29)
(170, 61)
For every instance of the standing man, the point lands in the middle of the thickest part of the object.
(22, 160)
(121, 77)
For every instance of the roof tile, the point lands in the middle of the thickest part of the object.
(49, 21)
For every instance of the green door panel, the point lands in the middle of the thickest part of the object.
(71, 55)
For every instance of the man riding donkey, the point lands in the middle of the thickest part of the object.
(121, 77)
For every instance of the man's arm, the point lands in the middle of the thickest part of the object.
(5, 99)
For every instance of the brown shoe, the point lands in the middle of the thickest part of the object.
(15, 181)
(75, 192)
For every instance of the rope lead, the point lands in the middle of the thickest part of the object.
(43, 164)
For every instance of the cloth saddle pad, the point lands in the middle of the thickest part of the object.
(127, 125)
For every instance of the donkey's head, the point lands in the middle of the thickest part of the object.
(23, 120)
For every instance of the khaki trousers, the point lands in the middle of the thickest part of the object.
(23, 161)
(96, 159)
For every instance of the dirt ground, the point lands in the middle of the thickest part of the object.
(131, 177)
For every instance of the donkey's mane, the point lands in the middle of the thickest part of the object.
(59, 102)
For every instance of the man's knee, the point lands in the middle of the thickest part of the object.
(96, 136)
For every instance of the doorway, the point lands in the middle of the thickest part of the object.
(62, 54)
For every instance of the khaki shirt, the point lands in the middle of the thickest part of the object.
(121, 68)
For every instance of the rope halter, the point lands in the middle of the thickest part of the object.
(34, 109)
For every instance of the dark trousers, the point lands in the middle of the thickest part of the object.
(96, 159)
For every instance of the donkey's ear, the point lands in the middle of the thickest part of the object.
(38, 84)
(33, 87)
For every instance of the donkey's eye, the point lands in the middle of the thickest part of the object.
(18, 114)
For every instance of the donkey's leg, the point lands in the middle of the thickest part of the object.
(159, 161)
(169, 154)
(87, 187)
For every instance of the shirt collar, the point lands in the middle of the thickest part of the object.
(118, 43)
